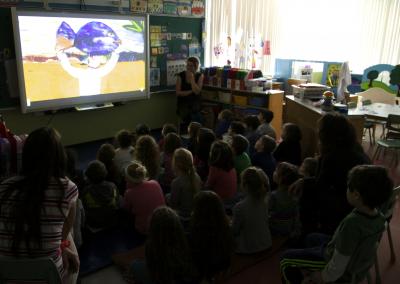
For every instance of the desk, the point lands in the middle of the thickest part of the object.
(376, 110)
(306, 116)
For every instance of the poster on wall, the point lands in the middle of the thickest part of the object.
(155, 6)
(139, 6)
(154, 77)
(198, 8)
(170, 7)
(184, 7)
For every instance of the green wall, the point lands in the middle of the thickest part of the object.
(85, 126)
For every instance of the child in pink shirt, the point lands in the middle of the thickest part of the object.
(142, 196)
(222, 174)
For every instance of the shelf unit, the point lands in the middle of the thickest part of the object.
(272, 100)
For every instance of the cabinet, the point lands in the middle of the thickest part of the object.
(248, 100)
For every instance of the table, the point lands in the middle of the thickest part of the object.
(376, 110)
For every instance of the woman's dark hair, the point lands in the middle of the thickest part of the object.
(372, 182)
(240, 144)
(251, 122)
(171, 143)
(291, 132)
(148, 153)
(221, 155)
(167, 251)
(255, 182)
(336, 134)
(211, 238)
(205, 138)
(43, 159)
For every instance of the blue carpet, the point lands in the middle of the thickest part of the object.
(98, 248)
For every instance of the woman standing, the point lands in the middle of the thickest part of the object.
(188, 88)
(37, 208)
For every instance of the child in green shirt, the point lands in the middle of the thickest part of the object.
(351, 251)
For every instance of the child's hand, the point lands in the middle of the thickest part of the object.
(70, 260)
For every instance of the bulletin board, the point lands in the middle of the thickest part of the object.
(172, 41)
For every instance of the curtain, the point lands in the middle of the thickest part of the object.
(363, 32)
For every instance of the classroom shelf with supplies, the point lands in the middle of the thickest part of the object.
(247, 102)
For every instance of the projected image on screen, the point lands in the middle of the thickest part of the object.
(67, 57)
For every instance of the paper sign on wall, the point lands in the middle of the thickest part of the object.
(267, 48)
(155, 6)
(173, 68)
(139, 6)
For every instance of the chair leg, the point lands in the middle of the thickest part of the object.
(370, 136)
(392, 253)
(375, 156)
(373, 134)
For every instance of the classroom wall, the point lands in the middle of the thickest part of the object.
(85, 126)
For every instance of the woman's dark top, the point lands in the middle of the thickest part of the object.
(188, 104)
(288, 151)
(331, 185)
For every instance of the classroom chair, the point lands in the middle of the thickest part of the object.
(370, 124)
(393, 126)
(28, 270)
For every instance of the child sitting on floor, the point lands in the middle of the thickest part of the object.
(349, 254)
(167, 254)
(225, 117)
(193, 131)
(186, 184)
(263, 157)
(100, 197)
(250, 217)
(222, 174)
(171, 142)
(289, 150)
(283, 207)
(142, 196)
(265, 117)
(241, 160)
(124, 153)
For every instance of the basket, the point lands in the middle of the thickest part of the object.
(258, 101)
(225, 97)
(239, 100)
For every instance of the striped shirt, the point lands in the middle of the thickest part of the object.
(53, 215)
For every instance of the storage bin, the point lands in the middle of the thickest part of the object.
(209, 95)
(258, 101)
(225, 97)
(239, 100)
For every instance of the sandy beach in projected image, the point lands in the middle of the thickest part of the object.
(44, 80)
